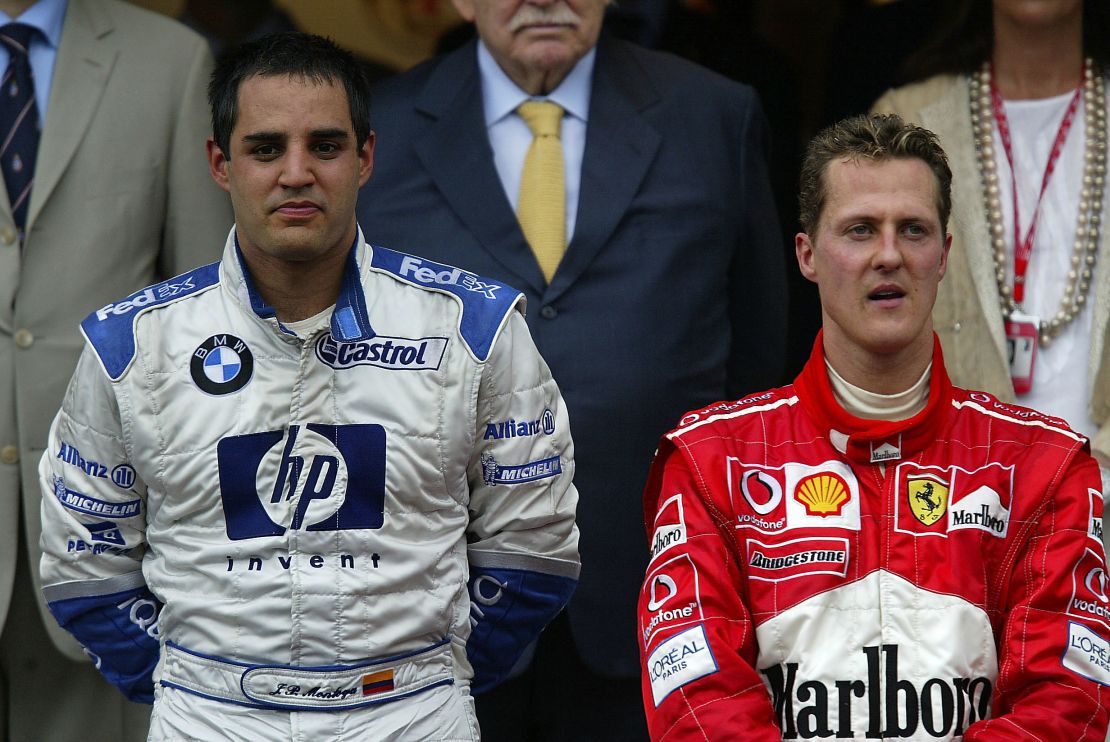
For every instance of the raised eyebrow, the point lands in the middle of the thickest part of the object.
(330, 134)
(264, 136)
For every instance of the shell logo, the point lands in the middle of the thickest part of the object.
(823, 494)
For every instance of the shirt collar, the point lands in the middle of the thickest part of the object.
(350, 321)
(46, 16)
(872, 441)
(501, 96)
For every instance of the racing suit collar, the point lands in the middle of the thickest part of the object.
(350, 321)
(872, 441)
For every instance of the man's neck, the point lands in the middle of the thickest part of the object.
(15, 8)
(887, 374)
(296, 290)
(1040, 62)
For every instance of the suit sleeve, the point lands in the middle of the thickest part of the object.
(757, 281)
(696, 636)
(93, 536)
(523, 541)
(1054, 652)
(198, 213)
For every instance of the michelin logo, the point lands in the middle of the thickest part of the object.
(495, 473)
(82, 503)
(406, 354)
(145, 297)
(415, 269)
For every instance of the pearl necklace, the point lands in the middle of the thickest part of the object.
(1085, 251)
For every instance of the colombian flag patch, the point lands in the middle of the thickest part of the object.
(377, 682)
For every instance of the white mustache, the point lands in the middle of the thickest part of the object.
(553, 15)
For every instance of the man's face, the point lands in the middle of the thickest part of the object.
(877, 257)
(536, 37)
(293, 169)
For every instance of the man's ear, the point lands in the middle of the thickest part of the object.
(217, 164)
(944, 255)
(366, 160)
(803, 249)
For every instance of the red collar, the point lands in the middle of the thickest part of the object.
(872, 441)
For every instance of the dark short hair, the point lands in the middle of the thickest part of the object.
(293, 54)
(877, 137)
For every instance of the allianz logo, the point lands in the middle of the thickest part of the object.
(413, 354)
(511, 428)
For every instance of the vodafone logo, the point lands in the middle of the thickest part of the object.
(762, 492)
(1096, 583)
(655, 602)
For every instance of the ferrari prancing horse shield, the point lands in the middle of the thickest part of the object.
(928, 496)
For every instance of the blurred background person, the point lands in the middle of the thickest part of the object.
(655, 281)
(1016, 91)
(103, 122)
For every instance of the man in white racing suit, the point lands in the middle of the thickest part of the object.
(320, 489)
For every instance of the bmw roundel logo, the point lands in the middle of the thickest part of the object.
(222, 364)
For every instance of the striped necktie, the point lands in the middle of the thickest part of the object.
(19, 121)
(541, 208)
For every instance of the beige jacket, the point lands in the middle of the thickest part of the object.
(121, 199)
(967, 316)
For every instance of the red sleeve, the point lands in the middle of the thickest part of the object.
(697, 640)
(1054, 653)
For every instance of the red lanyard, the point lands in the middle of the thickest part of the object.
(1024, 248)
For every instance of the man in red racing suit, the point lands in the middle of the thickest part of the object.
(824, 573)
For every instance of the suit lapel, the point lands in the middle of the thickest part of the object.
(456, 153)
(950, 119)
(620, 146)
(80, 75)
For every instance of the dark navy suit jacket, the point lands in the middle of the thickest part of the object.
(671, 293)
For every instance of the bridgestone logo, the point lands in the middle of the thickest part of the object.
(763, 562)
(888, 706)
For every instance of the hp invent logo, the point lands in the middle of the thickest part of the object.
(313, 478)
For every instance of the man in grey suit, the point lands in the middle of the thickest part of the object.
(119, 198)
(663, 287)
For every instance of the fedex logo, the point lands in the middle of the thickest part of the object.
(415, 269)
(313, 477)
(161, 292)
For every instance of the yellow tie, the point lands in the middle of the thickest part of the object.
(542, 204)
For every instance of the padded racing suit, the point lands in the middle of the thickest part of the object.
(815, 575)
(287, 525)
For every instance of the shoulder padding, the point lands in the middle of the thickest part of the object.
(110, 330)
(486, 303)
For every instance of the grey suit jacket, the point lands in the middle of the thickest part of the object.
(967, 315)
(121, 199)
(671, 294)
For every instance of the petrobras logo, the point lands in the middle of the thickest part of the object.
(415, 269)
(493, 472)
(161, 292)
(394, 353)
(82, 503)
(937, 707)
(513, 428)
(1089, 586)
(797, 558)
(670, 527)
(679, 660)
(69, 455)
(313, 477)
(981, 500)
(671, 597)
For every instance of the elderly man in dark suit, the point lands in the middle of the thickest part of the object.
(640, 225)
